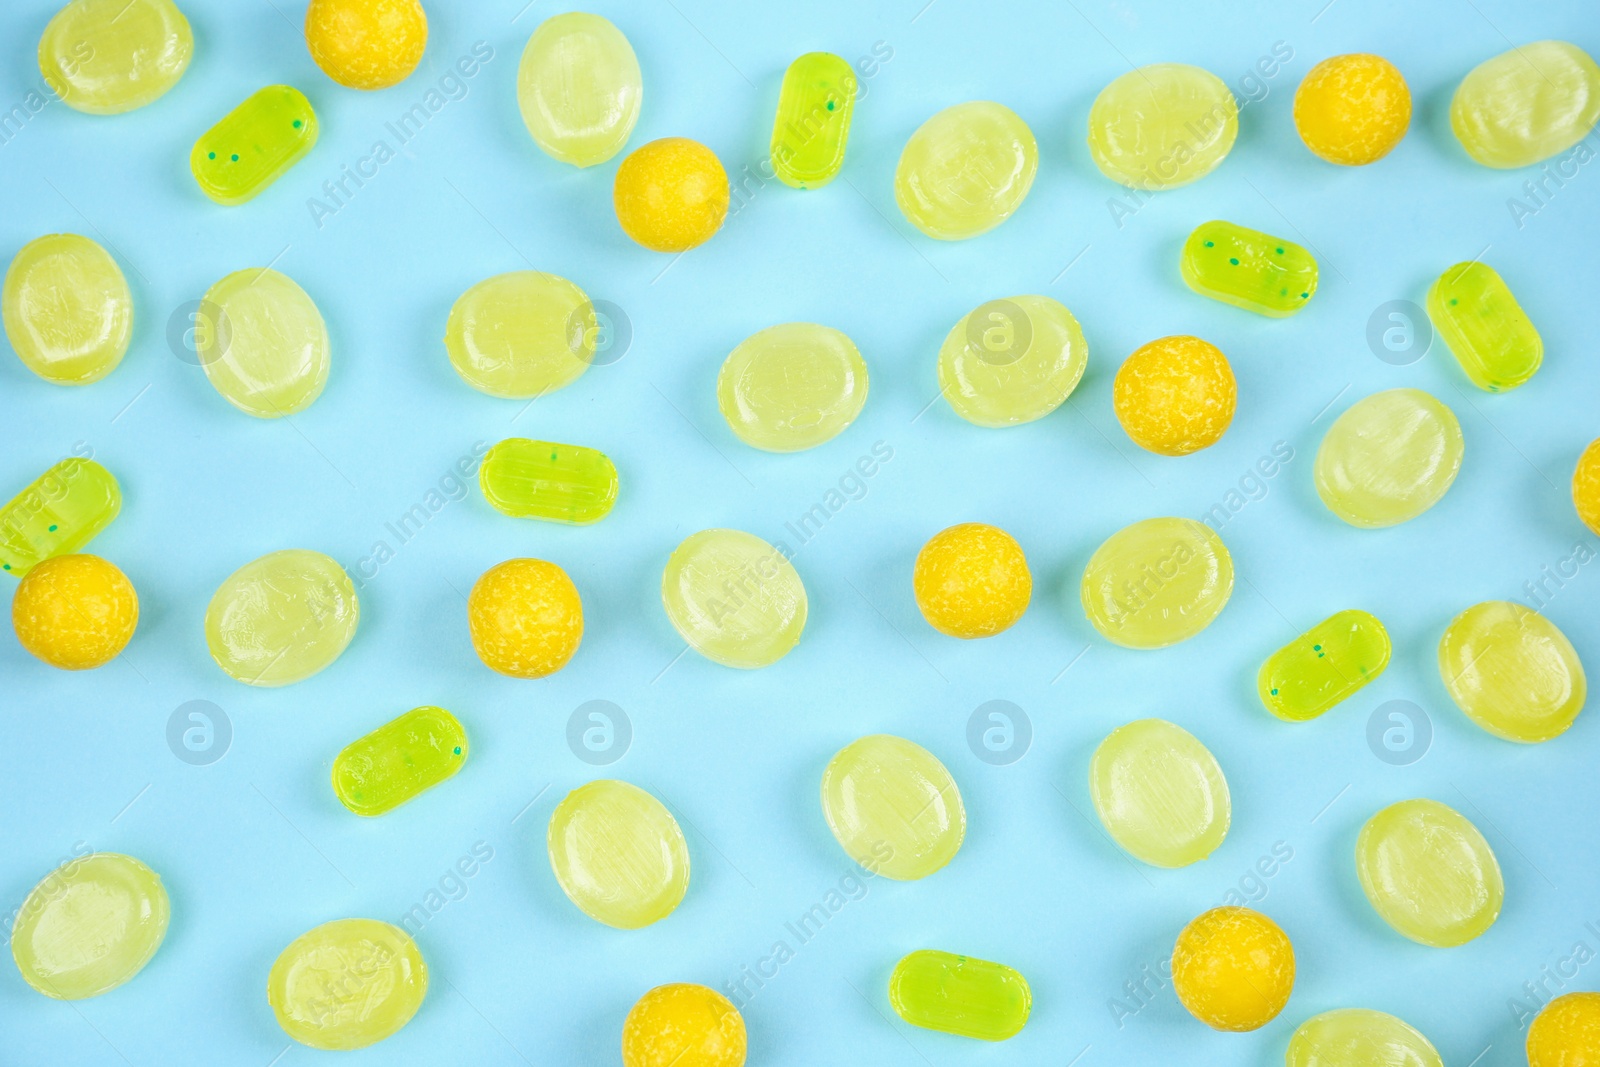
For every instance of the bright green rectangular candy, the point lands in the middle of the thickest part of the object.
(959, 995)
(254, 144)
(60, 512)
(1248, 269)
(812, 127)
(544, 480)
(1473, 309)
(398, 760)
(1324, 665)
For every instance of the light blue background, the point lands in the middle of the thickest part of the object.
(255, 849)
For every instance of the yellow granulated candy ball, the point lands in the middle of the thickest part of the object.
(1566, 1032)
(525, 617)
(1352, 109)
(972, 580)
(683, 1025)
(1175, 395)
(1586, 486)
(75, 612)
(366, 44)
(671, 194)
(1233, 968)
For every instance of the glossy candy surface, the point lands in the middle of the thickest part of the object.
(812, 127)
(972, 580)
(1359, 1037)
(1233, 968)
(1175, 395)
(347, 984)
(1566, 1032)
(263, 345)
(1162, 126)
(254, 144)
(683, 1025)
(105, 57)
(1388, 458)
(966, 170)
(75, 612)
(579, 88)
(792, 387)
(618, 854)
(366, 44)
(400, 759)
(734, 598)
(1512, 671)
(1526, 104)
(671, 194)
(67, 308)
(1585, 487)
(1473, 309)
(1012, 360)
(1352, 109)
(282, 618)
(1160, 793)
(90, 925)
(1324, 665)
(525, 618)
(960, 995)
(893, 807)
(544, 480)
(1429, 873)
(521, 334)
(1157, 582)
(58, 513)
(1248, 269)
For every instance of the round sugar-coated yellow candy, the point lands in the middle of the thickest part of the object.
(75, 612)
(90, 925)
(1389, 458)
(618, 854)
(1157, 582)
(1527, 104)
(734, 598)
(521, 334)
(966, 170)
(1359, 1037)
(282, 618)
(1429, 873)
(972, 580)
(68, 312)
(1012, 360)
(893, 807)
(671, 195)
(1233, 968)
(263, 343)
(105, 57)
(1160, 793)
(1352, 109)
(1566, 1032)
(525, 618)
(1512, 671)
(683, 1025)
(579, 88)
(366, 44)
(1175, 395)
(1162, 126)
(792, 387)
(347, 984)
(1586, 486)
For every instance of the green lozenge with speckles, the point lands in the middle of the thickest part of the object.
(254, 144)
(59, 513)
(399, 760)
(1248, 269)
(1487, 331)
(1324, 665)
(545, 480)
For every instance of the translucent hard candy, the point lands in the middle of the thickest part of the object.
(683, 1025)
(966, 170)
(400, 759)
(1175, 395)
(1389, 458)
(812, 126)
(1512, 671)
(1359, 1037)
(1352, 109)
(253, 145)
(75, 612)
(1248, 269)
(792, 387)
(1157, 582)
(893, 807)
(264, 346)
(1162, 126)
(90, 925)
(67, 308)
(734, 598)
(1429, 873)
(525, 618)
(282, 618)
(671, 195)
(1473, 309)
(1160, 793)
(1233, 969)
(579, 88)
(1566, 1032)
(960, 995)
(366, 44)
(549, 481)
(618, 854)
(1012, 361)
(1526, 104)
(105, 57)
(347, 984)
(59, 513)
(521, 335)
(972, 580)
(1323, 666)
